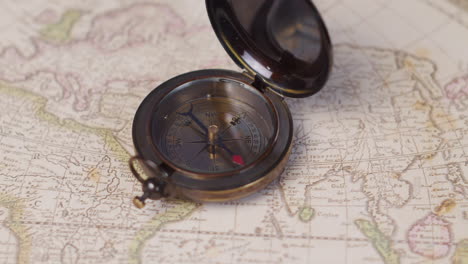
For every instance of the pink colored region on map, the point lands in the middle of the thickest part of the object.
(457, 88)
(47, 16)
(430, 237)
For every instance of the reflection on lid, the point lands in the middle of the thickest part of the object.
(279, 27)
(259, 68)
(284, 42)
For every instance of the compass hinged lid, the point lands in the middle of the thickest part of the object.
(284, 42)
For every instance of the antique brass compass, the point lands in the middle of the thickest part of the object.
(217, 135)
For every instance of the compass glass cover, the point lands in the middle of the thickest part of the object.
(213, 126)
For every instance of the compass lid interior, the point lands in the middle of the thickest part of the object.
(283, 42)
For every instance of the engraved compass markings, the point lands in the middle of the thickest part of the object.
(199, 152)
(197, 142)
(215, 143)
(236, 159)
(236, 120)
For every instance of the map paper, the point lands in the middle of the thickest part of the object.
(378, 172)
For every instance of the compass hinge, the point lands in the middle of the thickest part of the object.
(259, 84)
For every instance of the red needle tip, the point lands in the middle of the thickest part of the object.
(238, 160)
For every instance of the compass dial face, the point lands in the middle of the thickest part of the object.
(213, 135)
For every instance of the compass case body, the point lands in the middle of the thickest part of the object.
(284, 49)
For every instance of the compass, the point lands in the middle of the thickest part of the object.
(214, 133)
(219, 135)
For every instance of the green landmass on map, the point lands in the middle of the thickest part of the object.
(15, 209)
(381, 243)
(40, 102)
(181, 210)
(60, 31)
(306, 214)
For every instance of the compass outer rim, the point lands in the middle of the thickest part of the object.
(180, 181)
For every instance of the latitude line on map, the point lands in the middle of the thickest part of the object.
(243, 234)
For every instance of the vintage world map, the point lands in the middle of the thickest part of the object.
(378, 174)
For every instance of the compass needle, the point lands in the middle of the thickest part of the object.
(194, 118)
(238, 160)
